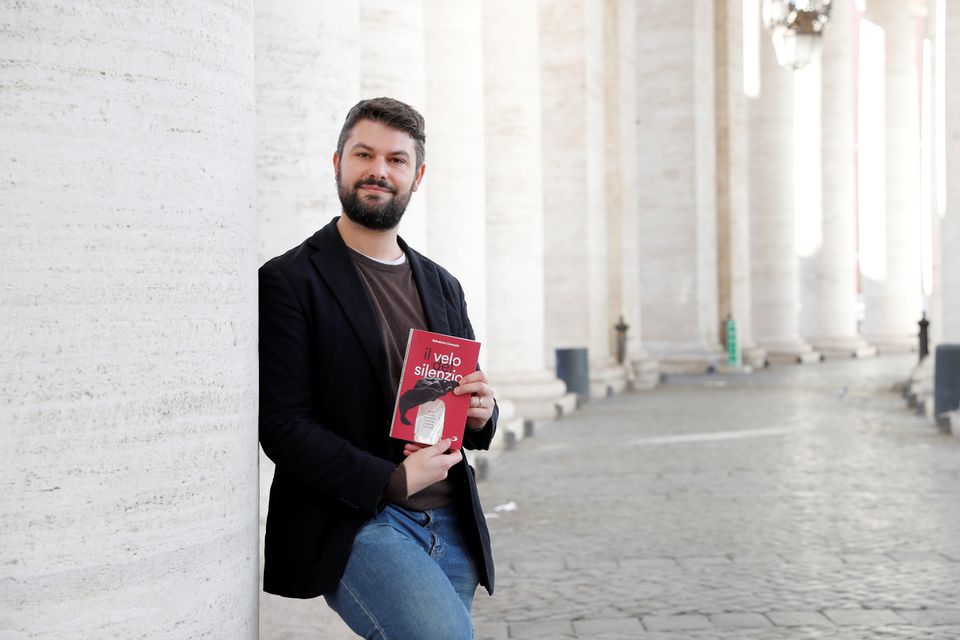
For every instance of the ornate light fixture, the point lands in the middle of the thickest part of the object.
(796, 27)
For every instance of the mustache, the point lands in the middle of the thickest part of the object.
(372, 182)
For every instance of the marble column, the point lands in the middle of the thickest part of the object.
(571, 50)
(514, 211)
(677, 184)
(892, 294)
(774, 268)
(950, 217)
(456, 204)
(308, 78)
(128, 365)
(828, 317)
(393, 64)
(622, 175)
(733, 181)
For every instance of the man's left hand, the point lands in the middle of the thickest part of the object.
(481, 400)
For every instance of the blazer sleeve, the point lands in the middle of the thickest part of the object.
(480, 438)
(290, 433)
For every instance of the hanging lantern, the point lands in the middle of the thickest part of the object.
(796, 27)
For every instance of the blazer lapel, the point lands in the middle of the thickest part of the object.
(337, 269)
(431, 293)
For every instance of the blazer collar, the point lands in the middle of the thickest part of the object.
(427, 277)
(332, 259)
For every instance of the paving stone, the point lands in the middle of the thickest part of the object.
(799, 619)
(740, 621)
(490, 631)
(676, 623)
(590, 628)
(931, 617)
(863, 617)
(542, 629)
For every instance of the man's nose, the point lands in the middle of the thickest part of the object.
(379, 168)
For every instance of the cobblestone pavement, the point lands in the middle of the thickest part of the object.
(795, 503)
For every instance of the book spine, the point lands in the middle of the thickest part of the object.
(403, 371)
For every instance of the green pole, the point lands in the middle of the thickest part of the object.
(733, 348)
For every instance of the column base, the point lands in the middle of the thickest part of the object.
(793, 352)
(689, 361)
(537, 395)
(645, 370)
(755, 357)
(607, 378)
(847, 347)
(919, 391)
(893, 343)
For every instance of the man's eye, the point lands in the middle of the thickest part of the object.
(363, 154)
(400, 161)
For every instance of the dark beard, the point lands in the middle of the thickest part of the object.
(371, 215)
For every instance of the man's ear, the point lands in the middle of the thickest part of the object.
(420, 172)
(336, 162)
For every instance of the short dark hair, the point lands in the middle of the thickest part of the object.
(391, 113)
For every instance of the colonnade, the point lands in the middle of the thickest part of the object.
(587, 162)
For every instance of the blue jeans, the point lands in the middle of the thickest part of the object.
(410, 576)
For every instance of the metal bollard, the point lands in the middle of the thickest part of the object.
(924, 336)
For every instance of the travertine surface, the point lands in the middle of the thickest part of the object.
(676, 185)
(128, 498)
(950, 224)
(392, 64)
(568, 219)
(456, 204)
(733, 180)
(308, 78)
(774, 265)
(828, 273)
(893, 304)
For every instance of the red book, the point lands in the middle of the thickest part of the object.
(427, 411)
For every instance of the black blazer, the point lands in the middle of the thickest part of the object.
(325, 410)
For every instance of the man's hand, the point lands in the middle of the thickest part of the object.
(427, 465)
(481, 402)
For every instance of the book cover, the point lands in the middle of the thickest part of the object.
(427, 411)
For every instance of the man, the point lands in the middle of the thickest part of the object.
(392, 535)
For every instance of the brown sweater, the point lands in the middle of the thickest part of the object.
(396, 301)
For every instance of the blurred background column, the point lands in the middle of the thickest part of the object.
(128, 365)
(575, 235)
(308, 78)
(774, 267)
(828, 264)
(892, 277)
(622, 175)
(456, 204)
(677, 183)
(393, 64)
(514, 197)
(733, 173)
(950, 216)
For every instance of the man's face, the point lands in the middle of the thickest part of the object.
(376, 175)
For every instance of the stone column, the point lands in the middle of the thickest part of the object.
(733, 181)
(622, 175)
(128, 364)
(774, 265)
(393, 64)
(308, 78)
(828, 265)
(515, 217)
(677, 184)
(893, 297)
(571, 49)
(950, 220)
(456, 206)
